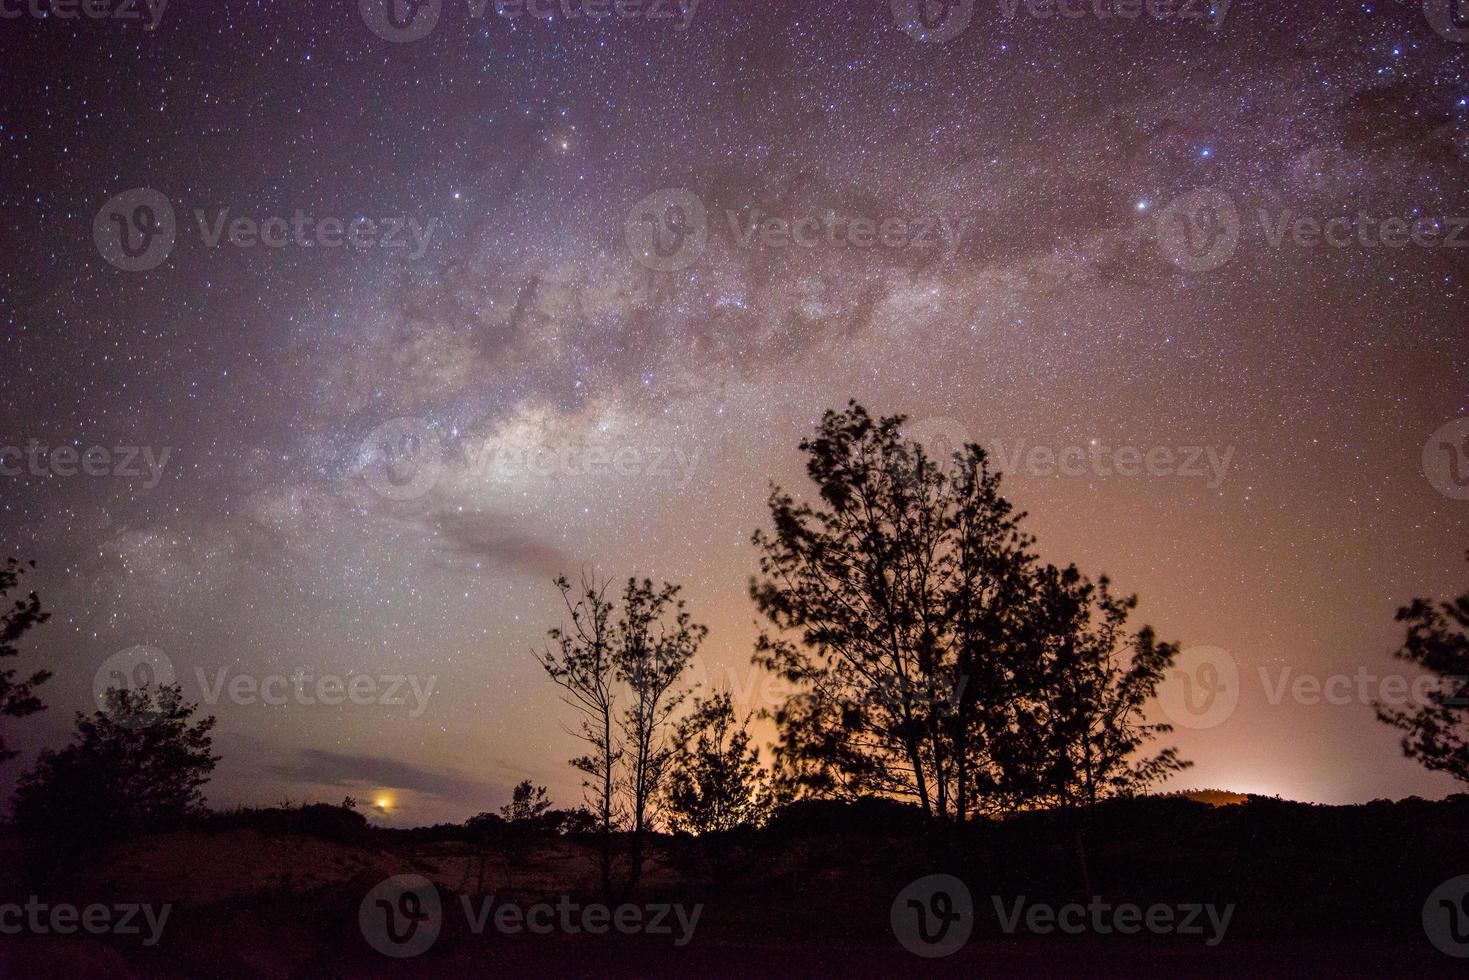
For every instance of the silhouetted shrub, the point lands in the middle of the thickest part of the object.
(137, 767)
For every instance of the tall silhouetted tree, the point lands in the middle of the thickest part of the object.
(1437, 733)
(580, 660)
(17, 697)
(1079, 720)
(885, 599)
(715, 781)
(635, 660)
(1087, 681)
(657, 638)
(118, 776)
(927, 641)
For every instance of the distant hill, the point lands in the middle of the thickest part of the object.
(1213, 797)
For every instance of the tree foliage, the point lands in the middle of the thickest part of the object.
(1085, 686)
(936, 659)
(715, 782)
(527, 806)
(17, 697)
(579, 659)
(138, 766)
(619, 664)
(657, 638)
(1436, 733)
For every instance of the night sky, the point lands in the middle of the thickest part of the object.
(1085, 241)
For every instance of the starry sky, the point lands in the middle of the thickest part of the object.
(610, 273)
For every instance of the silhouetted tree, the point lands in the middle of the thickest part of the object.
(17, 697)
(524, 819)
(1437, 733)
(119, 777)
(653, 651)
(889, 603)
(1085, 686)
(580, 660)
(936, 659)
(573, 820)
(715, 781)
(527, 804)
(1079, 719)
(485, 826)
(638, 657)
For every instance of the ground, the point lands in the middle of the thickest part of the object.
(1314, 889)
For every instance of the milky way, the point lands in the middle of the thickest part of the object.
(1196, 276)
